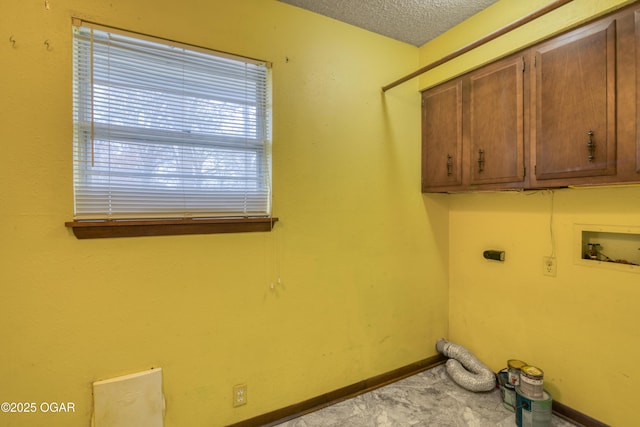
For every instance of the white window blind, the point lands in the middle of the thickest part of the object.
(163, 130)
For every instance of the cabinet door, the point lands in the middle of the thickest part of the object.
(575, 104)
(442, 137)
(496, 123)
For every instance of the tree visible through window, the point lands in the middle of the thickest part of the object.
(163, 130)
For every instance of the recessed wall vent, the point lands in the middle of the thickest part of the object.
(608, 246)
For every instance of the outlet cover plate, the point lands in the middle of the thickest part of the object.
(239, 395)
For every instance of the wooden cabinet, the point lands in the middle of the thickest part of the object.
(584, 105)
(574, 104)
(442, 137)
(472, 130)
(561, 113)
(496, 124)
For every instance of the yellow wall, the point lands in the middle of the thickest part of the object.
(580, 327)
(362, 256)
(366, 262)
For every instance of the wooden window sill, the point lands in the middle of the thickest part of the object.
(96, 229)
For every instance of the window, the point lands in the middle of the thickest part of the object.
(165, 131)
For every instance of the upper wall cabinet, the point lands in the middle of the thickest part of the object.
(496, 123)
(472, 130)
(574, 100)
(442, 137)
(561, 113)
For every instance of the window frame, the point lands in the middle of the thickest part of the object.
(158, 224)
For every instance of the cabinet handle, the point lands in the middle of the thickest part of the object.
(591, 146)
(481, 160)
(449, 164)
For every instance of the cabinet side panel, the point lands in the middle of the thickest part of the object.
(637, 88)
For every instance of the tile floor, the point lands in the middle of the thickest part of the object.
(429, 398)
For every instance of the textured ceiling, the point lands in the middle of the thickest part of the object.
(411, 21)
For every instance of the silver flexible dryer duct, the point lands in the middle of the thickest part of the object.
(465, 369)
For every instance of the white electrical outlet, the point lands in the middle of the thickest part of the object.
(239, 395)
(549, 266)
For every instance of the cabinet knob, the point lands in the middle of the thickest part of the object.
(449, 164)
(480, 160)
